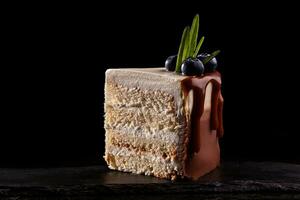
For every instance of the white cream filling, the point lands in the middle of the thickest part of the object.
(137, 132)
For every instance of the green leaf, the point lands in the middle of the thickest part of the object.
(186, 49)
(181, 48)
(212, 55)
(194, 35)
(198, 47)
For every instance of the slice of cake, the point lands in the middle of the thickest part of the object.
(161, 123)
(166, 122)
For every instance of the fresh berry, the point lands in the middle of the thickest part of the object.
(170, 63)
(192, 67)
(211, 65)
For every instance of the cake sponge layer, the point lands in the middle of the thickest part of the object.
(145, 164)
(133, 107)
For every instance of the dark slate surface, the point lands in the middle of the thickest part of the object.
(233, 180)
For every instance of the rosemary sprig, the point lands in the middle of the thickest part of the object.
(212, 55)
(188, 46)
(198, 47)
(194, 35)
(181, 48)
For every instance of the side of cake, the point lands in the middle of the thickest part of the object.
(145, 122)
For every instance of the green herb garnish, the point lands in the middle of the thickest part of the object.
(181, 48)
(212, 55)
(194, 35)
(198, 47)
(188, 46)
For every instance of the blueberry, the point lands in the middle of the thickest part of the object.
(192, 66)
(170, 63)
(211, 65)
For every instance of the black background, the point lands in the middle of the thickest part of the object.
(55, 58)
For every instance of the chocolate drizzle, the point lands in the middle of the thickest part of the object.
(206, 126)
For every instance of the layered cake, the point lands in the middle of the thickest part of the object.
(165, 122)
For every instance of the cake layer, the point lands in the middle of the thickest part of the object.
(126, 96)
(146, 133)
(148, 158)
(139, 144)
(127, 160)
(136, 117)
(148, 82)
(150, 110)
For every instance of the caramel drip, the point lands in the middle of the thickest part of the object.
(203, 148)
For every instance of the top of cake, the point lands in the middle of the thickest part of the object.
(142, 76)
(157, 71)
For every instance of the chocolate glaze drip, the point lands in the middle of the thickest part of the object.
(203, 148)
